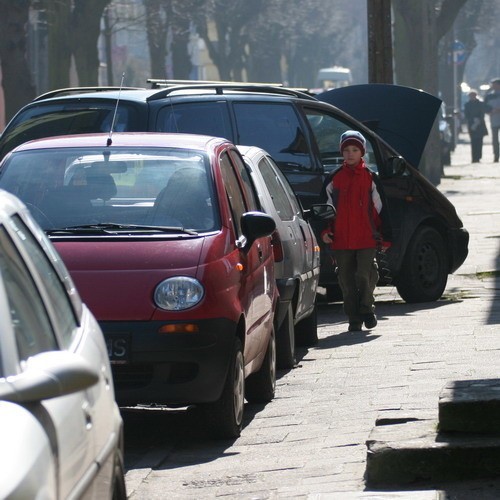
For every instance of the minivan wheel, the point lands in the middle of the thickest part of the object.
(306, 331)
(424, 272)
(285, 341)
(224, 417)
(261, 385)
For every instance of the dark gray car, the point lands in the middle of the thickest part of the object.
(302, 135)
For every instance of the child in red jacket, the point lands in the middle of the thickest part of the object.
(354, 234)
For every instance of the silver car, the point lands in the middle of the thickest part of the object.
(60, 427)
(296, 253)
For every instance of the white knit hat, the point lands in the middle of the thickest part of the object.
(354, 138)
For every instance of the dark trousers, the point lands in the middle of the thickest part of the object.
(476, 144)
(358, 276)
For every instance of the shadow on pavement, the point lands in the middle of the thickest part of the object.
(153, 437)
(329, 314)
(347, 339)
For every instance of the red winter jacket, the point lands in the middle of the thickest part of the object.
(355, 197)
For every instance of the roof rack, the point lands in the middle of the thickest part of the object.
(80, 90)
(157, 83)
(221, 87)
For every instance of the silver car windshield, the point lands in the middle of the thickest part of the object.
(114, 190)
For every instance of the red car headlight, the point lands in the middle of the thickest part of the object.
(178, 293)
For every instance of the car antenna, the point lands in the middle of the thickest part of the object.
(109, 141)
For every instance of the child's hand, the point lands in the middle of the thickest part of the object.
(383, 246)
(327, 237)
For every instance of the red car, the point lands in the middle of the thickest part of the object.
(162, 236)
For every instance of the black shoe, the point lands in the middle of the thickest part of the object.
(370, 321)
(355, 327)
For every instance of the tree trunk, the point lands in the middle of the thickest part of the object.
(451, 66)
(180, 54)
(415, 52)
(417, 30)
(202, 29)
(232, 22)
(16, 81)
(59, 50)
(264, 61)
(156, 27)
(86, 29)
(221, 60)
(303, 62)
(108, 40)
(416, 65)
(380, 68)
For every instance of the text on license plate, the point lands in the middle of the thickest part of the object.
(118, 348)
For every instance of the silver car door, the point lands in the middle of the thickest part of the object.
(69, 418)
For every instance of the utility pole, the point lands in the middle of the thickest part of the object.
(380, 68)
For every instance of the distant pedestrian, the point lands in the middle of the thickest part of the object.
(354, 235)
(492, 101)
(474, 110)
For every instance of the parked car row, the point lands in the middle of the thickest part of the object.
(167, 239)
(195, 256)
(302, 134)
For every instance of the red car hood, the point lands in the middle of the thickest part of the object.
(116, 279)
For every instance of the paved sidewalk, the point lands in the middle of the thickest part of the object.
(474, 189)
(310, 441)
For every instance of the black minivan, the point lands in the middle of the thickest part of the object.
(302, 134)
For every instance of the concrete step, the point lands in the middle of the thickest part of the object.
(470, 406)
(414, 452)
(384, 495)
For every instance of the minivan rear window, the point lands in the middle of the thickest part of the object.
(67, 118)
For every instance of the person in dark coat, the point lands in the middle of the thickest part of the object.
(474, 110)
(492, 101)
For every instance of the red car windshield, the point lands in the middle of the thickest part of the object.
(77, 187)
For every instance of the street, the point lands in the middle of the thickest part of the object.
(310, 441)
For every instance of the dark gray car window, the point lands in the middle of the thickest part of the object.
(327, 130)
(67, 118)
(278, 194)
(233, 190)
(64, 317)
(292, 197)
(208, 118)
(276, 128)
(28, 315)
(252, 197)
